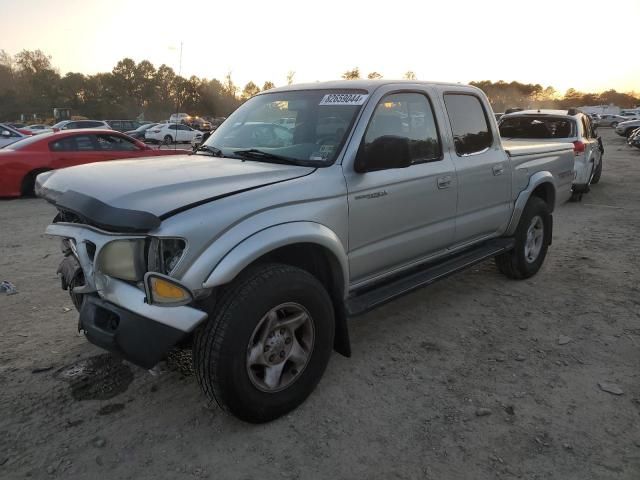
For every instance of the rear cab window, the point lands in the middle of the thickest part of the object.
(469, 123)
(537, 126)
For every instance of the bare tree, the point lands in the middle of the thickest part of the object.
(290, 76)
(374, 76)
(410, 75)
(353, 74)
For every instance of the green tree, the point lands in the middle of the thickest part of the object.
(268, 85)
(352, 74)
(250, 90)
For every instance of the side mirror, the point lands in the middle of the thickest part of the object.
(383, 153)
(6, 133)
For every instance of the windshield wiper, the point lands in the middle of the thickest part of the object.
(254, 153)
(216, 152)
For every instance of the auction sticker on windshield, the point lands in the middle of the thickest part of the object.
(343, 99)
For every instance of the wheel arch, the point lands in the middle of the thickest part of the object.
(310, 246)
(541, 184)
(29, 180)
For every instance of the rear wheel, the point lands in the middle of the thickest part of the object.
(267, 343)
(532, 239)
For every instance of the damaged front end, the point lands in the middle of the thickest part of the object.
(121, 285)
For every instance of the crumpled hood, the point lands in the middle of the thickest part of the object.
(162, 185)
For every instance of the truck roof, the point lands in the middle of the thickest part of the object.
(361, 84)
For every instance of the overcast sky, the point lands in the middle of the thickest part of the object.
(578, 44)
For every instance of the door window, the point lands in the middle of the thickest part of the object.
(410, 116)
(469, 123)
(75, 143)
(116, 143)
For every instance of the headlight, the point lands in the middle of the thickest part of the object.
(123, 259)
(165, 253)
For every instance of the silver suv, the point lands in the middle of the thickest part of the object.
(561, 126)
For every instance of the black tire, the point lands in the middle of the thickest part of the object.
(514, 264)
(614, 124)
(168, 140)
(576, 197)
(629, 131)
(221, 344)
(598, 173)
(27, 189)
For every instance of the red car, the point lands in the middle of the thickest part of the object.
(22, 161)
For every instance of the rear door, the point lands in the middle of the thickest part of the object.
(483, 169)
(592, 145)
(400, 216)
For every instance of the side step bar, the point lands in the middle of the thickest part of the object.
(370, 298)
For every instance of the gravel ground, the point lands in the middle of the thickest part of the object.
(476, 377)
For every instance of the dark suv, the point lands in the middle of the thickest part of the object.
(123, 125)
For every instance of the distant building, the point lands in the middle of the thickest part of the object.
(602, 109)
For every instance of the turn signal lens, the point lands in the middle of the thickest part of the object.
(164, 291)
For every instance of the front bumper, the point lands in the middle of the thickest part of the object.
(138, 339)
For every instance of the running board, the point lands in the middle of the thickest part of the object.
(427, 274)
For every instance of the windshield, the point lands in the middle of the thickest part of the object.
(25, 142)
(537, 127)
(306, 126)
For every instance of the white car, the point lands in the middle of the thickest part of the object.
(39, 128)
(171, 133)
(626, 128)
(9, 135)
(179, 117)
(75, 124)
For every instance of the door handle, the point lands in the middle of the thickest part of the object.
(498, 169)
(444, 182)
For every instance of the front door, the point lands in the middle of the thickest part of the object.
(402, 215)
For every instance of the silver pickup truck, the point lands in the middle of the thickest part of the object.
(257, 248)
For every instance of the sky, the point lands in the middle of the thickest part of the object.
(562, 43)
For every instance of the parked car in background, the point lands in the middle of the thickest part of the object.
(139, 132)
(75, 124)
(560, 126)
(39, 128)
(9, 135)
(608, 120)
(634, 138)
(257, 249)
(23, 160)
(179, 117)
(17, 126)
(198, 123)
(123, 125)
(287, 122)
(625, 128)
(170, 133)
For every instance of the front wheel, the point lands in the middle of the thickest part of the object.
(266, 344)
(532, 239)
(168, 140)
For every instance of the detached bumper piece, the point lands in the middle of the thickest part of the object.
(138, 339)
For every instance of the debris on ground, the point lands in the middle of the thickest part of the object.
(8, 287)
(610, 388)
(563, 340)
(483, 412)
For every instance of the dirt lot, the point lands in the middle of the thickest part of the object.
(476, 377)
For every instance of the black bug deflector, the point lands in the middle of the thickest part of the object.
(94, 212)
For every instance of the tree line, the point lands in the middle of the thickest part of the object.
(31, 85)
